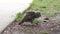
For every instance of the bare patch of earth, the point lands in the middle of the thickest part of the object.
(52, 26)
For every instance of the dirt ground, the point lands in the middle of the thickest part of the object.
(52, 26)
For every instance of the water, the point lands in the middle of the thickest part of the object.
(9, 9)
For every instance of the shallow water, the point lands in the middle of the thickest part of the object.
(9, 9)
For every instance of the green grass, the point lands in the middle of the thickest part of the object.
(44, 32)
(19, 16)
(37, 21)
(44, 6)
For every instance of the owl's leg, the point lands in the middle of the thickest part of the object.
(36, 23)
(21, 22)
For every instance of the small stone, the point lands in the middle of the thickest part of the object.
(51, 29)
(5, 31)
(57, 26)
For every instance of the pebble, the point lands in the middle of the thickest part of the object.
(58, 26)
(51, 29)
